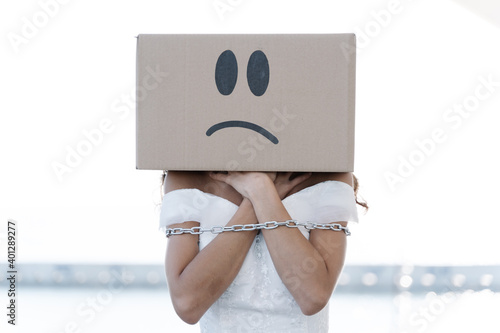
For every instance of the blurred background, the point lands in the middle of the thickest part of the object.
(89, 256)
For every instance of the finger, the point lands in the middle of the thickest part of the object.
(301, 178)
(283, 176)
(272, 175)
(218, 176)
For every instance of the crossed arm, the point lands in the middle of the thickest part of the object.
(308, 268)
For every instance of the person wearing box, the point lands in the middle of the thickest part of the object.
(264, 280)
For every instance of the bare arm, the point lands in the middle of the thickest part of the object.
(308, 268)
(196, 278)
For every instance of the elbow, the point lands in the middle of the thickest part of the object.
(317, 298)
(186, 309)
(314, 304)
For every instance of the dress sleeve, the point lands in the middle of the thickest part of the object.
(334, 202)
(180, 206)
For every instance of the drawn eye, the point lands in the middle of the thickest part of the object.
(258, 73)
(226, 72)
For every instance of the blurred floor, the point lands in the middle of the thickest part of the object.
(125, 309)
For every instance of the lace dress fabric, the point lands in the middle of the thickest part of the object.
(257, 300)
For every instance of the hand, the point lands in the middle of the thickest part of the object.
(284, 185)
(247, 182)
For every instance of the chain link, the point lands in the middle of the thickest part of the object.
(249, 227)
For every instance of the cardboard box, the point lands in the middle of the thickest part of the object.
(246, 102)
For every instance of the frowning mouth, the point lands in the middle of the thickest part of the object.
(244, 124)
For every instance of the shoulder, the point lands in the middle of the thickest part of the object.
(318, 177)
(176, 180)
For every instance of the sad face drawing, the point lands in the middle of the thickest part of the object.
(226, 78)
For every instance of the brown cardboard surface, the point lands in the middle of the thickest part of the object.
(306, 111)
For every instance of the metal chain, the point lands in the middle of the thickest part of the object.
(249, 227)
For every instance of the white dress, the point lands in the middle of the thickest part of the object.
(257, 300)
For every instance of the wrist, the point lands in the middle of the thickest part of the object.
(263, 189)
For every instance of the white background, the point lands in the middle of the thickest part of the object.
(78, 67)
